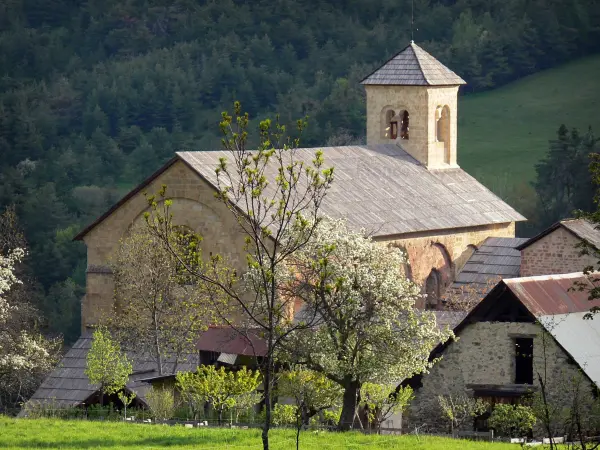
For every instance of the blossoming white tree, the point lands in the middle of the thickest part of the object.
(22, 353)
(368, 328)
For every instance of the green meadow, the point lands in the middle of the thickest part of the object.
(504, 132)
(79, 434)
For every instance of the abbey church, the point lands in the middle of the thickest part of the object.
(404, 187)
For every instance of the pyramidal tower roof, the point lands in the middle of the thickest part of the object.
(413, 66)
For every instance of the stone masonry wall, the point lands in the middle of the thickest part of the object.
(421, 102)
(194, 206)
(485, 355)
(447, 252)
(553, 254)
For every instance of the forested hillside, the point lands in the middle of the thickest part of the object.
(96, 94)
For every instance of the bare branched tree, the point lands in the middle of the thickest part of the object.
(160, 311)
(274, 193)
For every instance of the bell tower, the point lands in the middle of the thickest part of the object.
(412, 102)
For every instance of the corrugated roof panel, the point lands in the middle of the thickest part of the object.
(552, 294)
(571, 331)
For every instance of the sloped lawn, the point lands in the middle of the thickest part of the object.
(64, 434)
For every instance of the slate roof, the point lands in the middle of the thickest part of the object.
(68, 385)
(413, 66)
(581, 228)
(495, 259)
(384, 190)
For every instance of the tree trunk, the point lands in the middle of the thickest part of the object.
(157, 343)
(351, 389)
(267, 384)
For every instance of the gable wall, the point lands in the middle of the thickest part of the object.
(194, 206)
(484, 355)
(555, 253)
(432, 251)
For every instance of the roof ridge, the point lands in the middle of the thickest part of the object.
(554, 276)
(412, 46)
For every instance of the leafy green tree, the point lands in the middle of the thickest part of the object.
(381, 401)
(312, 393)
(126, 399)
(220, 388)
(563, 181)
(512, 420)
(368, 328)
(106, 364)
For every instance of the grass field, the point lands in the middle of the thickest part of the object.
(504, 132)
(57, 434)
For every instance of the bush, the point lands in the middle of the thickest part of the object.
(161, 403)
(284, 414)
(512, 420)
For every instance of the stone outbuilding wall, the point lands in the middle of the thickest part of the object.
(484, 357)
(554, 253)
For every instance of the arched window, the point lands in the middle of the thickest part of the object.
(404, 125)
(432, 289)
(442, 117)
(390, 125)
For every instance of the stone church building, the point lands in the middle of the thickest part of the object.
(404, 187)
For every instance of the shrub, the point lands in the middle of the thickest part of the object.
(512, 420)
(161, 403)
(284, 414)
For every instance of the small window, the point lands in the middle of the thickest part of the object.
(404, 125)
(524, 361)
(393, 129)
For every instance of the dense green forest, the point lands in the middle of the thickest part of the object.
(96, 94)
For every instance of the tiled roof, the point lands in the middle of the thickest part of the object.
(579, 227)
(68, 384)
(413, 66)
(496, 258)
(382, 189)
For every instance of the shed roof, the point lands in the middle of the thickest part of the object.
(495, 259)
(384, 190)
(413, 66)
(68, 385)
(581, 228)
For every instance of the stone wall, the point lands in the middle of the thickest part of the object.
(485, 355)
(445, 251)
(194, 206)
(553, 254)
(421, 102)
